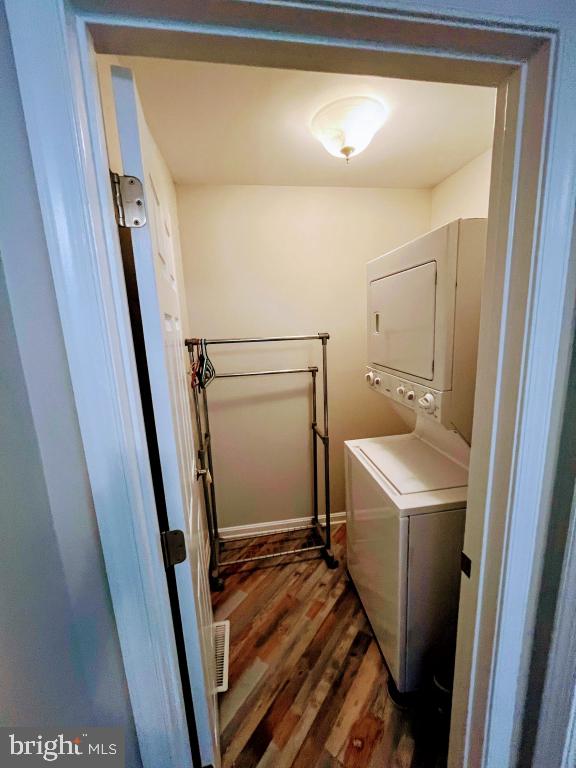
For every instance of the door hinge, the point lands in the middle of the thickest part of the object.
(465, 565)
(173, 547)
(128, 195)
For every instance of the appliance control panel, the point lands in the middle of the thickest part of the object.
(421, 399)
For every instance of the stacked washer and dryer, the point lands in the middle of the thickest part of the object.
(406, 494)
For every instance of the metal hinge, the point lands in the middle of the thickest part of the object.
(173, 547)
(128, 195)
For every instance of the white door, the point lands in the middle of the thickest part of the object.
(157, 277)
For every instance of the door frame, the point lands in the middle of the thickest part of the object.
(532, 287)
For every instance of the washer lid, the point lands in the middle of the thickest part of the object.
(413, 466)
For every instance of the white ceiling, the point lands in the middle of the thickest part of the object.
(230, 124)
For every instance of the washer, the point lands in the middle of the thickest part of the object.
(406, 508)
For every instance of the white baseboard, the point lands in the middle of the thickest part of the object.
(337, 518)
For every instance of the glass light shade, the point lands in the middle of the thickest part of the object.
(347, 126)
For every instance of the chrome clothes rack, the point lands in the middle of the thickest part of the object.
(321, 533)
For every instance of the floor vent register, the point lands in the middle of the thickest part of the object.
(222, 650)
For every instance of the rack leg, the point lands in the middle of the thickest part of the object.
(210, 465)
(315, 474)
(314, 451)
(216, 580)
(327, 552)
(329, 559)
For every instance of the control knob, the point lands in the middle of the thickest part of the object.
(410, 396)
(400, 391)
(369, 378)
(377, 381)
(427, 403)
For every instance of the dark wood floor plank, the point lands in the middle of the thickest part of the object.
(308, 686)
(383, 751)
(367, 684)
(404, 752)
(282, 720)
(309, 702)
(364, 738)
(282, 662)
(326, 760)
(330, 708)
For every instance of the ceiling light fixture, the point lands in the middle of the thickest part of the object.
(347, 126)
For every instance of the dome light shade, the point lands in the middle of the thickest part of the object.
(347, 126)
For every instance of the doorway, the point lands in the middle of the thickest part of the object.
(533, 86)
(243, 244)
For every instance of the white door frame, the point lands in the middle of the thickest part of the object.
(531, 288)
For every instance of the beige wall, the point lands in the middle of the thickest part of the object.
(287, 260)
(464, 194)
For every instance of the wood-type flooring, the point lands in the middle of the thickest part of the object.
(307, 680)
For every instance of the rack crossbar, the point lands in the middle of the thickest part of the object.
(295, 551)
(258, 339)
(265, 373)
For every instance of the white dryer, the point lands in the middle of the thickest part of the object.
(406, 501)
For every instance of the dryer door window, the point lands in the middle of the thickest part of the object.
(402, 310)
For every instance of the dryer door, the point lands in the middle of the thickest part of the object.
(402, 321)
(377, 543)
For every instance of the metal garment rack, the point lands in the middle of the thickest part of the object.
(321, 533)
